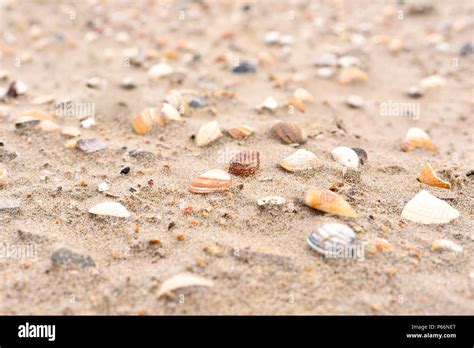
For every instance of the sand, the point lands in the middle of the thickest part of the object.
(257, 258)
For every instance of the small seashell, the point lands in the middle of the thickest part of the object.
(329, 202)
(127, 83)
(355, 101)
(245, 163)
(88, 122)
(16, 89)
(325, 72)
(417, 138)
(90, 145)
(96, 83)
(415, 92)
(428, 176)
(303, 95)
(444, 244)
(103, 187)
(182, 280)
(433, 81)
(270, 104)
(427, 209)
(270, 200)
(297, 104)
(348, 61)
(327, 59)
(3, 177)
(331, 237)
(178, 99)
(71, 131)
(147, 120)
(378, 245)
(110, 209)
(352, 74)
(240, 132)
(48, 126)
(290, 133)
(363, 158)
(272, 37)
(300, 160)
(170, 112)
(346, 157)
(43, 99)
(208, 133)
(25, 122)
(214, 180)
(160, 70)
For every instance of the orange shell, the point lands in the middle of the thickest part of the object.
(240, 132)
(352, 74)
(297, 104)
(328, 202)
(428, 176)
(147, 120)
(214, 180)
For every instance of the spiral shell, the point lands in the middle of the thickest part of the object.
(328, 202)
(290, 133)
(417, 138)
(147, 120)
(329, 237)
(300, 160)
(214, 180)
(428, 176)
(245, 163)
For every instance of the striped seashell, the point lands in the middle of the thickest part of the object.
(428, 176)
(179, 99)
(214, 180)
(329, 237)
(300, 160)
(146, 120)
(427, 209)
(208, 133)
(240, 132)
(328, 202)
(417, 138)
(290, 133)
(245, 163)
(346, 157)
(110, 209)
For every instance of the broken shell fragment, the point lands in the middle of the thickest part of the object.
(351, 75)
(110, 209)
(147, 120)
(90, 145)
(428, 176)
(425, 208)
(269, 103)
(417, 138)
(214, 180)
(328, 202)
(378, 245)
(3, 177)
(363, 158)
(183, 280)
(290, 133)
(331, 238)
(300, 160)
(48, 126)
(245, 163)
(208, 133)
(270, 200)
(444, 244)
(297, 104)
(71, 131)
(240, 132)
(346, 157)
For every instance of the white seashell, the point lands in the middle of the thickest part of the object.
(327, 59)
(348, 61)
(272, 37)
(271, 200)
(110, 209)
(103, 187)
(270, 103)
(303, 95)
(43, 99)
(330, 237)
(345, 156)
(208, 133)
(417, 138)
(433, 81)
(214, 180)
(71, 131)
(286, 40)
(183, 280)
(427, 209)
(170, 112)
(300, 160)
(325, 72)
(160, 70)
(355, 101)
(88, 122)
(444, 244)
(96, 83)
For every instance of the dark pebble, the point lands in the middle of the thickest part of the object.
(125, 170)
(362, 154)
(66, 257)
(466, 49)
(244, 67)
(197, 102)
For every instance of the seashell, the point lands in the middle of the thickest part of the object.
(378, 245)
(90, 145)
(303, 95)
(88, 122)
(71, 131)
(183, 280)
(363, 158)
(43, 99)
(346, 157)
(444, 244)
(272, 37)
(3, 177)
(328, 202)
(178, 99)
(331, 237)
(208, 133)
(244, 67)
(16, 88)
(428, 176)
(170, 112)
(214, 180)
(96, 83)
(110, 209)
(25, 122)
(348, 61)
(427, 209)
(327, 59)
(270, 200)
(245, 163)
(355, 101)
(103, 187)
(48, 126)
(240, 132)
(300, 160)
(160, 70)
(417, 138)
(147, 120)
(128, 83)
(433, 81)
(297, 104)
(290, 133)
(352, 74)
(415, 92)
(270, 104)
(325, 72)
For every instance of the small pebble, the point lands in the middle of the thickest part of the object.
(244, 67)
(66, 257)
(125, 170)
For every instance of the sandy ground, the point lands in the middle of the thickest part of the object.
(260, 262)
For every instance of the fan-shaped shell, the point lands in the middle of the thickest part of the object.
(110, 209)
(425, 208)
(245, 162)
(214, 180)
(240, 132)
(208, 133)
(290, 133)
(329, 202)
(300, 160)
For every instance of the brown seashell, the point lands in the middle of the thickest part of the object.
(352, 74)
(147, 120)
(214, 180)
(245, 163)
(329, 202)
(428, 176)
(240, 132)
(417, 138)
(290, 133)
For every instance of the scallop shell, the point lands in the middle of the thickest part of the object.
(208, 133)
(417, 138)
(328, 202)
(183, 280)
(428, 176)
(290, 133)
(329, 237)
(170, 112)
(427, 209)
(147, 120)
(245, 163)
(352, 74)
(3, 177)
(240, 132)
(110, 209)
(214, 180)
(300, 160)
(444, 244)
(346, 157)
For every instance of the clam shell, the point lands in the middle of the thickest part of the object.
(427, 176)
(240, 132)
(3, 177)
(363, 158)
(417, 138)
(328, 202)
(214, 180)
(346, 157)
(182, 280)
(208, 133)
(355, 101)
(290, 133)
(270, 104)
(331, 236)
(170, 112)
(444, 244)
(351, 75)
(300, 160)
(147, 120)
(245, 163)
(110, 209)
(425, 208)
